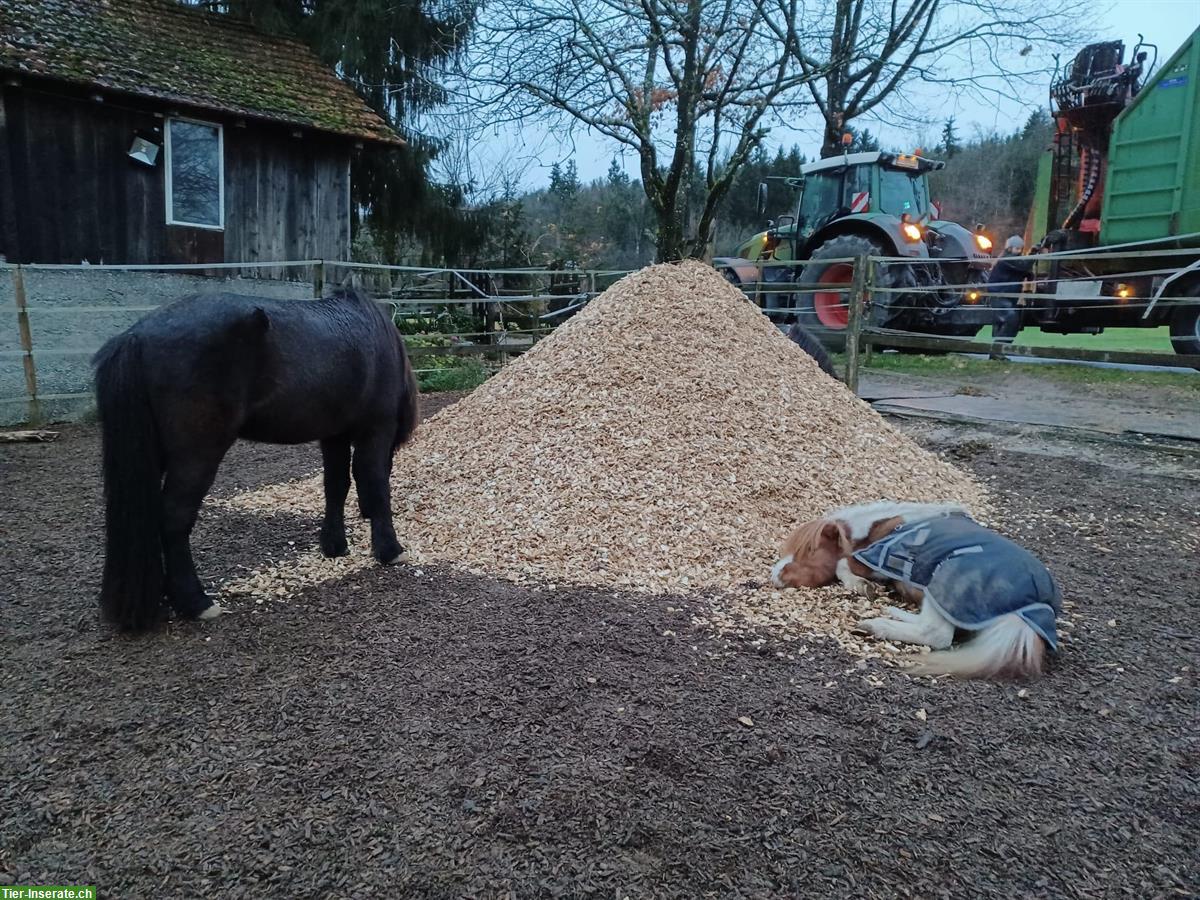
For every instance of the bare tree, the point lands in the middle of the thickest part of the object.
(688, 86)
(871, 50)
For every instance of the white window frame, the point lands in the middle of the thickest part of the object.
(220, 172)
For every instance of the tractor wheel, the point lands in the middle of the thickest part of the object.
(1185, 328)
(978, 282)
(826, 314)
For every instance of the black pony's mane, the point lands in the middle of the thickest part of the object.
(349, 292)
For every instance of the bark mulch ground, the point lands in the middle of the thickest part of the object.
(413, 733)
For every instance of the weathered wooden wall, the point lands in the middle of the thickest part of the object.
(285, 197)
(69, 192)
(76, 195)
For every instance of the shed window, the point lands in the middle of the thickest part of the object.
(195, 174)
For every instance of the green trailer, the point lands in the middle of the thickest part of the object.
(1152, 189)
(1122, 177)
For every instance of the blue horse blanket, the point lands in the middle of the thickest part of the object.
(972, 576)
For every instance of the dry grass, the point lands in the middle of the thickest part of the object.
(665, 439)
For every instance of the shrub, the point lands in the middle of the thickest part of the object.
(460, 375)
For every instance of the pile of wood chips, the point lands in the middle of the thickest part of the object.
(665, 439)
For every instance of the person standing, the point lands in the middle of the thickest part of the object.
(1006, 278)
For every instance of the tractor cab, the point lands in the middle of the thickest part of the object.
(887, 189)
(857, 205)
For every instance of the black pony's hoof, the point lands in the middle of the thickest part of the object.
(392, 556)
(332, 548)
(197, 609)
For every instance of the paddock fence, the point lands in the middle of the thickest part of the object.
(1064, 286)
(60, 315)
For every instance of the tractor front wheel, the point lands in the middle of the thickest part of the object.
(825, 313)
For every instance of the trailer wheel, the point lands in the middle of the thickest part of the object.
(826, 314)
(1185, 328)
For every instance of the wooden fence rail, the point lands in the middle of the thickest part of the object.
(40, 398)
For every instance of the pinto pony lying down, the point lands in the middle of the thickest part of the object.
(964, 577)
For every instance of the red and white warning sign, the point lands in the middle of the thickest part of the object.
(861, 202)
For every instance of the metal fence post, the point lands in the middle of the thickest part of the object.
(26, 336)
(863, 280)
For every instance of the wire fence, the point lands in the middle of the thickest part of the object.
(941, 305)
(64, 313)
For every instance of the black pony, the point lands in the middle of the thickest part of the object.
(179, 387)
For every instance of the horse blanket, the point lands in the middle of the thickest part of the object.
(971, 575)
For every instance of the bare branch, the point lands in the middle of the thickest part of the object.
(869, 49)
(685, 84)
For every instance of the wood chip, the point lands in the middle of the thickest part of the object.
(665, 439)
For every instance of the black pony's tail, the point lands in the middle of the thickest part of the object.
(810, 344)
(410, 399)
(131, 595)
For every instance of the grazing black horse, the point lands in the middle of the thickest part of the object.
(179, 387)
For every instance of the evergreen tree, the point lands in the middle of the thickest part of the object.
(1037, 125)
(619, 201)
(389, 52)
(511, 235)
(616, 176)
(564, 181)
(862, 141)
(949, 143)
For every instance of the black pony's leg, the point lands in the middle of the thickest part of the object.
(183, 491)
(372, 471)
(335, 455)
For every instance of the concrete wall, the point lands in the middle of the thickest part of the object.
(65, 336)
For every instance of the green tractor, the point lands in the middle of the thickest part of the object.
(867, 204)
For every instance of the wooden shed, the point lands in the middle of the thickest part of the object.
(145, 131)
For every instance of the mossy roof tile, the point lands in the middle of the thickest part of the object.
(171, 52)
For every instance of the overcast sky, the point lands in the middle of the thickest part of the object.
(1166, 23)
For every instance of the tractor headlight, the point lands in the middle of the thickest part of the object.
(983, 242)
(911, 232)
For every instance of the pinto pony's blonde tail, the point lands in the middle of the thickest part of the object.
(1008, 648)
